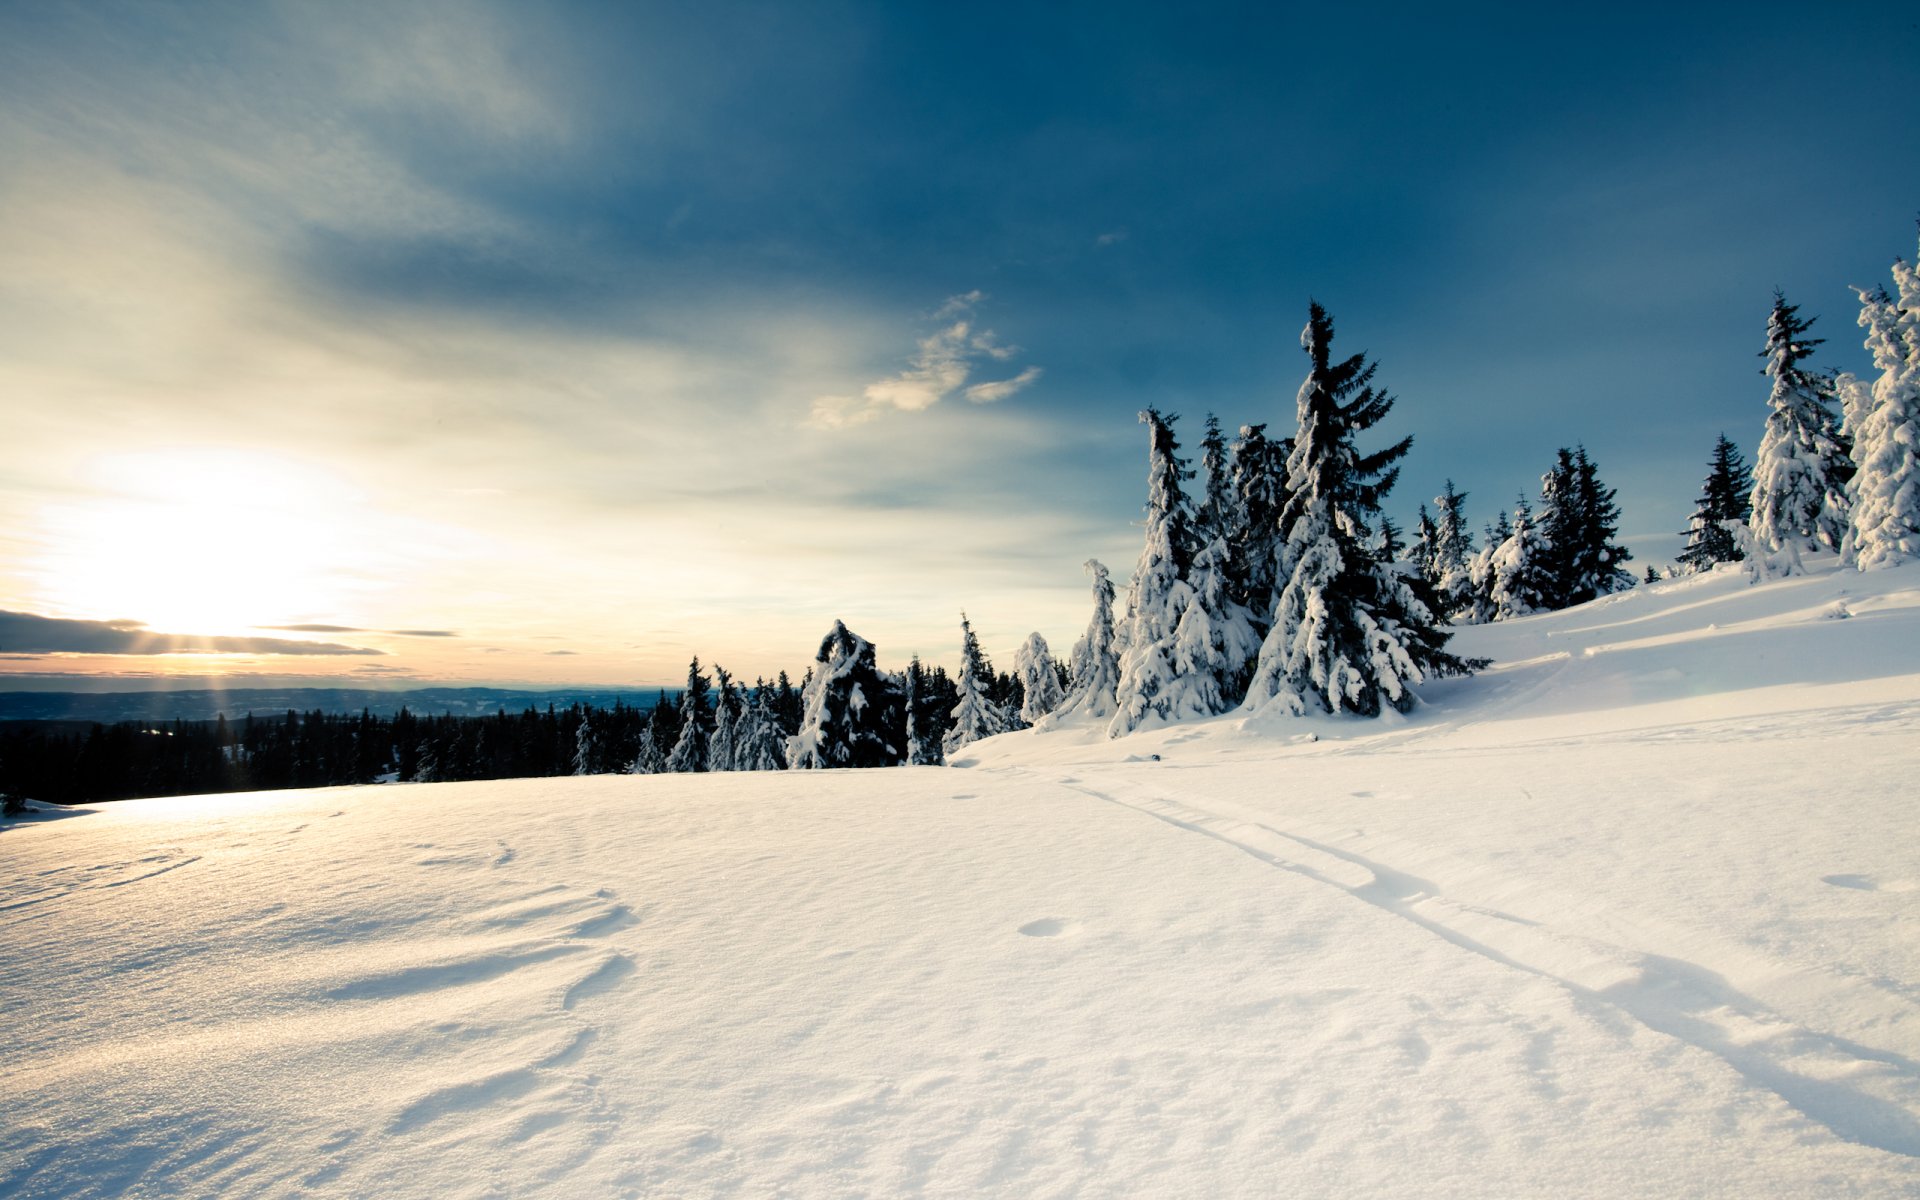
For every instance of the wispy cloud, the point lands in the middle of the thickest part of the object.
(29, 633)
(941, 364)
(312, 628)
(1000, 389)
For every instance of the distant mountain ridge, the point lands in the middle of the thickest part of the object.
(236, 703)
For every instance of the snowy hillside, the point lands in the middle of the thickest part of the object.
(1637, 912)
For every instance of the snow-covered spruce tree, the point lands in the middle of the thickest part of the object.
(975, 715)
(1452, 551)
(850, 712)
(918, 752)
(1884, 528)
(1253, 541)
(1800, 475)
(585, 751)
(1185, 648)
(933, 715)
(650, 759)
(1033, 664)
(1423, 555)
(1517, 574)
(723, 746)
(1349, 634)
(1391, 545)
(1094, 666)
(1479, 607)
(760, 744)
(1578, 520)
(1727, 495)
(696, 724)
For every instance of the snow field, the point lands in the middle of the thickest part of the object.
(1640, 921)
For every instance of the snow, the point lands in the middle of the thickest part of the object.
(1631, 913)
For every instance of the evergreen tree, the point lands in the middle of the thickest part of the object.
(975, 714)
(1040, 683)
(690, 752)
(1219, 503)
(1095, 667)
(1519, 575)
(1176, 652)
(1349, 635)
(723, 745)
(586, 753)
(1884, 528)
(1452, 551)
(1579, 521)
(786, 705)
(1480, 607)
(850, 712)
(1392, 543)
(761, 744)
(650, 759)
(1424, 555)
(1260, 491)
(1800, 475)
(1727, 495)
(1652, 575)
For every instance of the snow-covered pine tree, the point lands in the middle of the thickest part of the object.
(1726, 495)
(1095, 668)
(850, 712)
(1219, 501)
(1884, 528)
(1253, 540)
(723, 745)
(760, 744)
(1179, 657)
(975, 715)
(1033, 665)
(1517, 571)
(585, 751)
(1391, 545)
(1452, 551)
(650, 759)
(1349, 634)
(1800, 475)
(1479, 607)
(918, 754)
(1423, 554)
(1578, 521)
(1214, 643)
(696, 724)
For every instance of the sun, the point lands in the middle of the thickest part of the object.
(199, 540)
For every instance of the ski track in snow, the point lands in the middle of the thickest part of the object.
(1825, 1077)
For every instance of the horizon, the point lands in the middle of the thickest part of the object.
(480, 347)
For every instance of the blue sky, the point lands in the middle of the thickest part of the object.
(599, 335)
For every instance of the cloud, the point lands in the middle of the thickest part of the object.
(421, 633)
(941, 364)
(1111, 237)
(32, 634)
(988, 393)
(561, 653)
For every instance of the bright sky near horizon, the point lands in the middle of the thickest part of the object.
(554, 344)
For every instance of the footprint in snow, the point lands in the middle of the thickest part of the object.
(1048, 927)
(1867, 883)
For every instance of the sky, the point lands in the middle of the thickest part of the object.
(554, 344)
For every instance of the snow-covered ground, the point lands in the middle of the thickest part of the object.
(1635, 913)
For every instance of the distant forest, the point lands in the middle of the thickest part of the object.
(79, 763)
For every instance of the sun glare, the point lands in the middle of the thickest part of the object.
(198, 541)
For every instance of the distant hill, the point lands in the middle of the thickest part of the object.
(206, 704)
